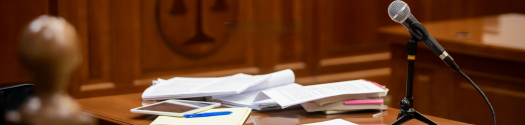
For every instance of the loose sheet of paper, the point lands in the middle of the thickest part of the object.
(180, 87)
(236, 83)
(297, 95)
(277, 78)
(288, 96)
(333, 122)
(247, 98)
(346, 87)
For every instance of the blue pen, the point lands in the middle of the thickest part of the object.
(206, 114)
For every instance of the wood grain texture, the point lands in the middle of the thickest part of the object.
(347, 29)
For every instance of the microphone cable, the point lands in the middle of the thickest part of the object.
(480, 92)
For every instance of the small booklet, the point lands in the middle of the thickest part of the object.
(294, 95)
(365, 96)
(359, 105)
(186, 87)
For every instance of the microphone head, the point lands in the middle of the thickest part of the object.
(398, 11)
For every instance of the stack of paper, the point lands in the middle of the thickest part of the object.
(324, 93)
(266, 92)
(329, 96)
(351, 102)
(345, 106)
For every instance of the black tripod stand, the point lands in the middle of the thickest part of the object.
(407, 111)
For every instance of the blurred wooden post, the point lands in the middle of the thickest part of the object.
(49, 50)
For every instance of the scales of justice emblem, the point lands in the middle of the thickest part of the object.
(195, 28)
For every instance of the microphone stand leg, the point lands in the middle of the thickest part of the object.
(412, 114)
(422, 118)
(402, 119)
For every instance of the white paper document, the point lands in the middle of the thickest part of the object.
(184, 87)
(277, 79)
(300, 94)
(248, 98)
(197, 87)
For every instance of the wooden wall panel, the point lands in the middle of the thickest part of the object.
(99, 37)
(126, 27)
(290, 47)
(76, 13)
(265, 43)
(295, 46)
(348, 29)
(348, 44)
(15, 14)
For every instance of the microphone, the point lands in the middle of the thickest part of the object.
(400, 12)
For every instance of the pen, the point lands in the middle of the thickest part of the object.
(206, 114)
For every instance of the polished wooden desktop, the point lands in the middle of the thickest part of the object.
(116, 110)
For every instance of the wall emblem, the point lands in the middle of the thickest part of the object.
(195, 28)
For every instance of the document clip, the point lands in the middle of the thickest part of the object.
(206, 114)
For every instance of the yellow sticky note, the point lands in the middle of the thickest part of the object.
(237, 117)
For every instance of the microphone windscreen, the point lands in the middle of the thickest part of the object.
(398, 11)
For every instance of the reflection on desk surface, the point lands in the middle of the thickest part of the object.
(292, 117)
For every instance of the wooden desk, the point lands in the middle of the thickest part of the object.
(115, 110)
(490, 50)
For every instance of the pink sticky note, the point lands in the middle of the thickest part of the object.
(364, 102)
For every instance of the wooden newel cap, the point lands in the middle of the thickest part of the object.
(49, 50)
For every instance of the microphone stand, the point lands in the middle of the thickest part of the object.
(407, 111)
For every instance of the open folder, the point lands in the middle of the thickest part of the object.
(237, 117)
